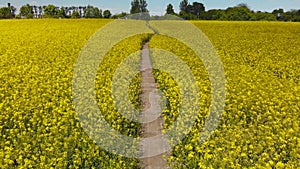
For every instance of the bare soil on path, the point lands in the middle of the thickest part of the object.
(151, 111)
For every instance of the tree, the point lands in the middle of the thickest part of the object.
(35, 11)
(187, 16)
(287, 16)
(80, 10)
(41, 11)
(92, 12)
(243, 5)
(214, 14)
(138, 6)
(278, 13)
(26, 11)
(195, 10)
(51, 11)
(263, 16)
(13, 11)
(107, 14)
(198, 9)
(89, 12)
(134, 7)
(75, 14)
(5, 12)
(238, 13)
(183, 6)
(296, 15)
(143, 6)
(121, 15)
(62, 13)
(170, 9)
(98, 13)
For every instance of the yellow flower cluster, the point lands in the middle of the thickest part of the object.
(39, 127)
(104, 83)
(260, 124)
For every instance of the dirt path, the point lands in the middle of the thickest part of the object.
(152, 120)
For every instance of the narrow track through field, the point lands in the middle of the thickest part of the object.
(150, 105)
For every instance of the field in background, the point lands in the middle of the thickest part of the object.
(259, 128)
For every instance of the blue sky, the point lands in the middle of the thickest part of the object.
(159, 6)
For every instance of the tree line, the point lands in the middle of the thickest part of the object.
(241, 12)
(188, 11)
(52, 11)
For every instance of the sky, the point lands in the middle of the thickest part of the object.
(158, 7)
